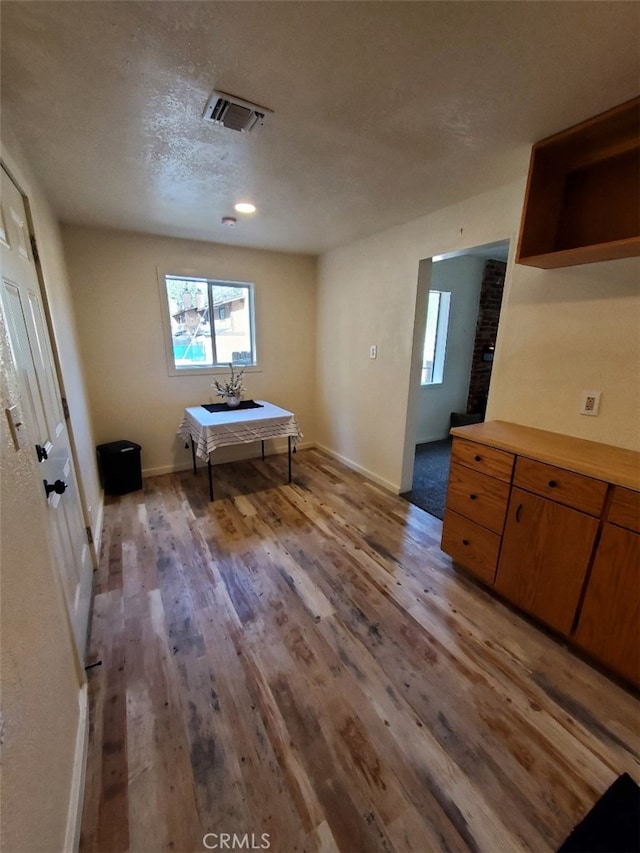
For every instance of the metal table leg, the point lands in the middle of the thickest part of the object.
(193, 454)
(289, 444)
(262, 450)
(210, 478)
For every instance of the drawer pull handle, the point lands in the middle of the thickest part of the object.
(472, 497)
(518, 511)
(478, 458)
(552, 484)
(465, 541)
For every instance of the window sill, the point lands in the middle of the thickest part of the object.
(210, 371)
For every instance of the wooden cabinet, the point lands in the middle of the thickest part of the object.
(553, 524)
(582, 202)
(544, 559)
(609, 625)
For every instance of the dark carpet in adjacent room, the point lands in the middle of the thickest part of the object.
(612, 825)
(430, 475)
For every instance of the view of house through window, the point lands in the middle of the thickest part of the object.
(435, 338)
(211, 322)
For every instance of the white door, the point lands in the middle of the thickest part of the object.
(45, 430)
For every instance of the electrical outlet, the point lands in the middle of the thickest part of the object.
(590, 403)
(373, 351)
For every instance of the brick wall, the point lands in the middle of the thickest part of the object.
(486, 331)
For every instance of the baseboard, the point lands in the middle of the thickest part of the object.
(76, 794)
(431, 438)
(165, 469)
(370, 475)
(219, 458)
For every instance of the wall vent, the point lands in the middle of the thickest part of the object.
(234, 113)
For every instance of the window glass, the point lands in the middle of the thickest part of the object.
(232, 325)
(211, 323)
(435, 337)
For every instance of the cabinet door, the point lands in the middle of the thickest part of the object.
(609, 627)
(545, 554)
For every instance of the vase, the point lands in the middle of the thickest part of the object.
(233, 402)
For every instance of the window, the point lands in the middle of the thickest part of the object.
(208, 323)
(435, 337)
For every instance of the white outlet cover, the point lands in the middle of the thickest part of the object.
(590, 404)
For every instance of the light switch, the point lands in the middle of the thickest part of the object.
(373, 351)
(14, 416)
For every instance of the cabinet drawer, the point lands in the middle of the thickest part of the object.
(474, 547)
(478, 497)
(625, 509)
(496, 463)
(563, 487)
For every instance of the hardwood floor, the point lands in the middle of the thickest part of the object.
(302, 661)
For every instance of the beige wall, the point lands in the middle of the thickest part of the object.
(40, 684)
(561, 331)
(117, 301)
(566, 331)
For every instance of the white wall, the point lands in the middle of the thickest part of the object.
(40, 679)
(560, 331)
(462, 277)
(117, 302)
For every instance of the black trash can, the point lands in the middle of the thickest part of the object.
(120, 467)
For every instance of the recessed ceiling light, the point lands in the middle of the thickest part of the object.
(229, 221)
(245, 207)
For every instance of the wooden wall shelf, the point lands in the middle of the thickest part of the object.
(582, 202)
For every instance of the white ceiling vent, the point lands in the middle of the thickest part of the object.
(234, 113)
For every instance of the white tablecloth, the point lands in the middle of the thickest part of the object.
(209, 430)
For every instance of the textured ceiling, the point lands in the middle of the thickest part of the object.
(383, 111)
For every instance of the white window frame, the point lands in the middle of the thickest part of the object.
(197, 275)
(440, 345)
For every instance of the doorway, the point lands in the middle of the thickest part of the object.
(456, 354)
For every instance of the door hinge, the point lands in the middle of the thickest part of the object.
(89, 535)
(34, 249)
(65, 408)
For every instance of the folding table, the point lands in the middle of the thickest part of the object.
(206, 431)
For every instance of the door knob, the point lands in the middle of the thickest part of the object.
(59, 487)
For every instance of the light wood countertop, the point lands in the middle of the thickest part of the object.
(602, 461)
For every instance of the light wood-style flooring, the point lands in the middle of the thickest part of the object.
(302, 661)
